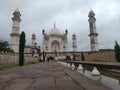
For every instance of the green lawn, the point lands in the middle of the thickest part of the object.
(14, 66)
(8, 67)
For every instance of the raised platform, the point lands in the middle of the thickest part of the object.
(46, 76)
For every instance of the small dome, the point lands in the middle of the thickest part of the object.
(17, 11)
(33, 34)
(91, 12)
(54, 31)
(74, 34)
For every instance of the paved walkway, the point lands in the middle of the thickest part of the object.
(46, 76)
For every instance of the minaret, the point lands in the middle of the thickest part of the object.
(15, 35)
(33, 40)
(74, 42)
(65, 44)
(93, 34)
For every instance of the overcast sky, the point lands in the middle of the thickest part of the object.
(68, 14)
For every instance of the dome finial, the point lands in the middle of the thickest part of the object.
(17, 9)
(54, 24)
(17, 5)
(91, 11)
(54, 31)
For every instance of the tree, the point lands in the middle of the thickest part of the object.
(74, 57)
(4, 45)
(68, 57)
(82, 56)
(21, 48)
(43, 56)
(39, 53)
(117, 51)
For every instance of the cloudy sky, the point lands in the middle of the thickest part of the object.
(68, 14)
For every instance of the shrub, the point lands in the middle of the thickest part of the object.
(32, 62)
(97, 60)
(117, 51)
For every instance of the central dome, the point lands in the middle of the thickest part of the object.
(54, 31)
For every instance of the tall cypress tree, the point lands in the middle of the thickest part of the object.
(82, 56)
(21, 48)
(74, 57)
(43, 56)
(117, 51)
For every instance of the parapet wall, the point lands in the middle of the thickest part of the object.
(100, 56)
(107, 56)
(7, 59)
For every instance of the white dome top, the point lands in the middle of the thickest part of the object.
(54, 31)
(17, 11)
(91, 12)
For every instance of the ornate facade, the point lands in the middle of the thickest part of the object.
(54, 41)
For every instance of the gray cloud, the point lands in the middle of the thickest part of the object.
(68, 14)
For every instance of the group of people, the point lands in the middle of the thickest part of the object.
(50, 58)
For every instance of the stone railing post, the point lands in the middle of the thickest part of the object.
(96, 75)
(80, 69)
(73, 66)
(68, 65)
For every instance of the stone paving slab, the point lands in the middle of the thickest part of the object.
(46, 76)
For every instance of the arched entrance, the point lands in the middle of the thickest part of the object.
(55, 47)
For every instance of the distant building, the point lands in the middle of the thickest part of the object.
(33, 48)
(31, 51)
(54, 41)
